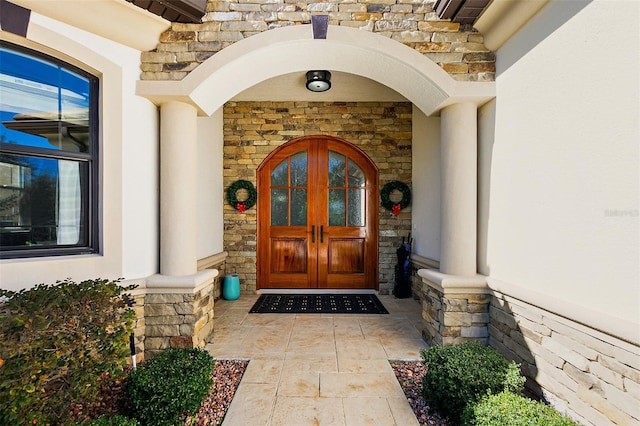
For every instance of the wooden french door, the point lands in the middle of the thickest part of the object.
(317, 216)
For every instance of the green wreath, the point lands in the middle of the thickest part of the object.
(388, 189)
(232, 196)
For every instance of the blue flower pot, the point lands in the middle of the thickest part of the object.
(231, 287)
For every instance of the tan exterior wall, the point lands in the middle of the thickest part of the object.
(459, 50)
(253, 129)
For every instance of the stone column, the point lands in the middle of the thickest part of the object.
(455, 299)
(178, 305)
(178, 189)
(458, 163)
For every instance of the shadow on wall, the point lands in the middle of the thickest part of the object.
(553, 16)
(587, 375)
(506, 336)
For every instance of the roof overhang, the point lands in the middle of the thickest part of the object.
(461, 11)
(185, 11)
(116, 20)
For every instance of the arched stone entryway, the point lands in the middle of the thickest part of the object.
(293, 50)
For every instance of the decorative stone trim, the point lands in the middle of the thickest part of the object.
(593, 377)
(458, 49)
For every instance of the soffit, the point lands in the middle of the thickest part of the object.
(115, 20)
(461, 11)
(184, 11)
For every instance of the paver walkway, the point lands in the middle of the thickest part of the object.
(318, 369)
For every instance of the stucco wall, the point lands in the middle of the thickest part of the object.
(558, 155)
(425, 228)
(128, 158)
(558, 207)
(210, 146)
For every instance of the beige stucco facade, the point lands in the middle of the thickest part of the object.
(524, 166)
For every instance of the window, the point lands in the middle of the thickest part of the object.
(48, 156)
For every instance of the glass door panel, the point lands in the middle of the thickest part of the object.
(289, 191)
(337, 168)
(356, 202)
(346, 191)
(279, 204)
(336, 207)
(298, 207)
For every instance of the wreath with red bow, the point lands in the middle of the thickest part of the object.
(395, 207)
(232, 195)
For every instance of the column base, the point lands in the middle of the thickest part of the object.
(456, 308)
(178, 312)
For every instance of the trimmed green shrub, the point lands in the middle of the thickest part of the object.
(113, 421)
(168, 386)
(509, 409)
(461, 374)
(58, 345)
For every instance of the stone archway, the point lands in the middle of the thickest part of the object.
(369, 55)
(231, 71)
(417, 78)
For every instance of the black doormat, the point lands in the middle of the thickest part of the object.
(318, 304)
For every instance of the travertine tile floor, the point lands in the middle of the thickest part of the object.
(310, 369)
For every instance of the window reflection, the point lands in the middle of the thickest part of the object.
(40, 202)
(46, 155)
(43, 104)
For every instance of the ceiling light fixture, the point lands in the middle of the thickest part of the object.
(318, 81)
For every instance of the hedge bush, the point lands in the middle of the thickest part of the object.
(168, 386)
(58, 345)
(509, 409)
(458, 375)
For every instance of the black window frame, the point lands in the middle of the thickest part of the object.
(90, 200)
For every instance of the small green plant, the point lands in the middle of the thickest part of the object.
(509, 409)
(113, 421)
(58, 345)
(168, 386)
(461, 374)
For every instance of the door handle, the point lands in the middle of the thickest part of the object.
(313, 233)
(322, 233)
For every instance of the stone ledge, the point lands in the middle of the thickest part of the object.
(214, 260)
(184, 284)
(454, 284)
(424, 262)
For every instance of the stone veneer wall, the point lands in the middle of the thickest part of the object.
(459, 50)
(178, 320)
(253, 129)
(453, 318)
(139, 325)
(592, 376)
